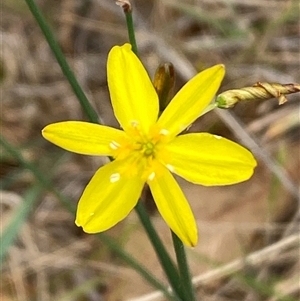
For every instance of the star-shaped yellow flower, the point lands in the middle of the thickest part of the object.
(148, 148)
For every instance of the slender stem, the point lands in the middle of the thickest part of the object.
(86, 106)
(186, 281)
(166, 262)
(131, 33)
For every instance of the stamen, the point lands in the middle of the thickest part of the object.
(115, 177)
(151, 176)
(164, 132)
(134, 123)
(114, 145)
(217, 137)
(188, 127)
(170, 167)
(149, 147)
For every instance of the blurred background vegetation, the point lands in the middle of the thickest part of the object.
(249, 233)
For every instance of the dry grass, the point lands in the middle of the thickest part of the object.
(249, 233)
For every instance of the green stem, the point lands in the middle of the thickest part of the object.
(86, 106)
(163, 257)
(186, 280)
(131, 33)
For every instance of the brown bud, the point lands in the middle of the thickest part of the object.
(164, 80)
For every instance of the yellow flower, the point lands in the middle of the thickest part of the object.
(148, 148)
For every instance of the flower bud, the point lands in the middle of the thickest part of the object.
(164, 80)
(229, 98)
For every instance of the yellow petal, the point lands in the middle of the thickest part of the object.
(191, 100)
(82, 137)
(108, 198)
(209, 160)
(133, 96)
(174, 208)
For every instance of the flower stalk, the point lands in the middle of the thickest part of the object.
(260, 90)
(184, 271)
(127, 9)
(165, 260)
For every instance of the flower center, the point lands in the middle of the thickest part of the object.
(148, 149)
(144, 151)
(144, 146)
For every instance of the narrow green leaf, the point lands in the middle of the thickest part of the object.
(10, 233)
